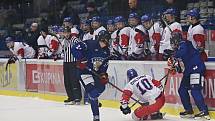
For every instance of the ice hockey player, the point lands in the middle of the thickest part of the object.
(147, 90)
(137, 37)
(87, 30)
(48, 45)
(193, 76)
(93, 54)
(19, 49)
(172, 26)
(96, 24)
(154, 31)
(121, 40)
(69, 22)
(196, 33)
(110, 26)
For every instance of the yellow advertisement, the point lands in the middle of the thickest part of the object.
(8, 77)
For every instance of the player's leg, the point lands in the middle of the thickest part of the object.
(143, 111)
(185, 98)
(93, 97)
(67, 84)
(76, 87)
(196, 91)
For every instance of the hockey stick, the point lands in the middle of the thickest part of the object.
(96, 74)
(165, 76)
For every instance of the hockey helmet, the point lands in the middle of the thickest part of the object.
(194, 13)
(96, 19)
(145, 18)
(170, 11)
(119, 19)
(131, 73)
(68, 19)
(176, 38)
(104, 36)
(133, 15)
(110, 22)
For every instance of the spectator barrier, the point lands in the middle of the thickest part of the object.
(46, 76)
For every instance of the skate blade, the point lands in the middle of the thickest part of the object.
(203, 118)
(187, 116)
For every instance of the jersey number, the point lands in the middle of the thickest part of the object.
(144, 83)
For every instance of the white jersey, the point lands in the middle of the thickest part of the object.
(48, 45)
(143, 88)
(154, 32)
(23, 50)
(96, 32)
(87, 36)
(165, 39)
(121, 40)
(136, 42)
(74, 31)
(197, 31)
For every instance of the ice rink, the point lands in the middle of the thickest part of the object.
(33, 109)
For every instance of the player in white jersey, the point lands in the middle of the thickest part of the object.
(147, 90)
(86, 28)
(173, 26)
(154, 31)
(110, 26)
(137, 38)
(68, 22)
(48, 45)
(20, 49)
(96, 24)
(196, 33)
(121, 38)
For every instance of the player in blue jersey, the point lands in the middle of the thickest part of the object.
(193, 75)
(93, 54)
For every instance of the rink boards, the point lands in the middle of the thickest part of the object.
(44, 79)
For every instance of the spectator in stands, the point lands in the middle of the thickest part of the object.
(69, 11)
(92, 10)
(134, 7)
(31, 34)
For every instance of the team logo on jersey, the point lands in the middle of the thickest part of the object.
(97, 62)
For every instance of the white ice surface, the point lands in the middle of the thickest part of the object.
(33, 109)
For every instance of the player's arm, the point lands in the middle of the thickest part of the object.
(127, 93)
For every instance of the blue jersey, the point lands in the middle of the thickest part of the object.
(191, 58)
(97, 57)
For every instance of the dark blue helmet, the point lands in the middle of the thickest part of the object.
(96, 19)
(55, 28)
(9, 39)
(110, 22)
(68, 19)
(103, 36)
(133, 15)
(86, 22)
(194, 13)
(131, 73)
(145, 18)
(171, 11)
(119, 19)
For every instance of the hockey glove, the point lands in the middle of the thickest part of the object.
(125, 109)
(81, 64)
(12, 60)
(104, 78)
